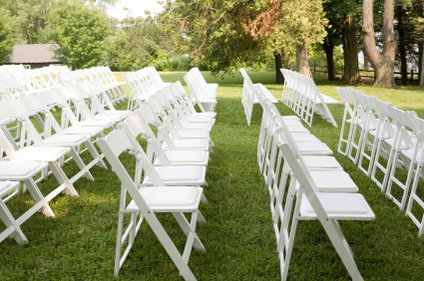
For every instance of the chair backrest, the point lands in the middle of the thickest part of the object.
(136, 127)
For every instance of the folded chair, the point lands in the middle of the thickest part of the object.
(146, 202)
(328, 208)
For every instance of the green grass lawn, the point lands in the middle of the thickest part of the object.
(79, 243)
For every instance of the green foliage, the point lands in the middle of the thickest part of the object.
(218, 41)
(317, 55)
(6, 36)
(80, 31)
(140, 42)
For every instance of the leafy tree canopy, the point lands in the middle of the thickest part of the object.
(80, 32)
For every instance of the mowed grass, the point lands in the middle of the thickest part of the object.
(79, 243)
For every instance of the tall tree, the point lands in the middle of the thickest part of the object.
(80, 32)
(288, 23)
(343, 16)
(330, 41)
(383, 63)
(216, 39)
(6, 37)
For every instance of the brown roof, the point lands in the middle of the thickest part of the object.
(34, 53)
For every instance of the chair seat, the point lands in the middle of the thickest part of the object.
(66, 140)
(193, 134)
(91, 131)
(409, 153)
(328, 162)
(339, 206)
(96, 123)
(40, 153)
(197, 126)
(179, 175)
(198, 119)
(17, 170)
(189, 157)
(188, 144)
(314, 148)
(333, 181)
(169, 199)
(7, 186)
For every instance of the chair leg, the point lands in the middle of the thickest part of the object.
(83, 168)
(339, 242)
(95, 154)
(13, 229)
(36, 194)
(63, 180)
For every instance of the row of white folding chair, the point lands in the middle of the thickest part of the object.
(146, 202)
(13, 67)
(301, 94)
(111, 88)
(204, 95)
(23, 162)
(175, 161)
(110, 83)
(326, 174)
(32, 103)
(306, 201)
(143, 84)
(249, 98)
(390, 141)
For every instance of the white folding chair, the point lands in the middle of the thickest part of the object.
(328, 208)
(415, 207)
(383, 158)
(148, 201)
(11, 171)
(407, 154)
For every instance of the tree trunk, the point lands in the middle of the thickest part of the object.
(302, 62)
(279, 78)
(28, 34)
(350, 52)
(420, 63)
(328, 47)
(383, 64)
(402, 47)
(366, 62)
